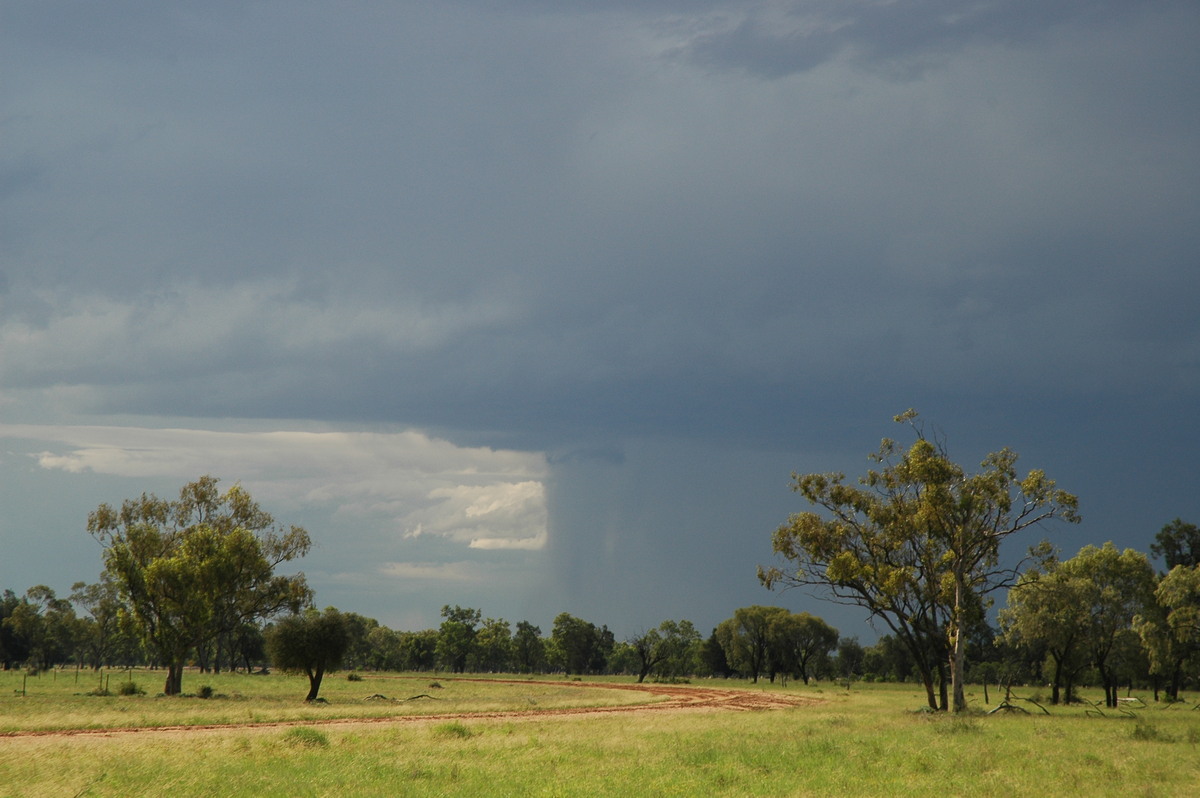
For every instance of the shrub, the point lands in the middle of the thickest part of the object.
(206, 691)
(129, 688)
(956, 724)
(353, 677)
(306, 737)
(453, 729)
(1147, 732)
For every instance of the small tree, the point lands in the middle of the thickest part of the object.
(310, 643)
(456, 636)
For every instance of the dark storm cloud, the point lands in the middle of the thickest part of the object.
(677, 248)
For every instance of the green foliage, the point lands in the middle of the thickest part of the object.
(1083, 613)
(310, 643)
(456, 637)
(1178, 543)
(668, 651)
(578, 646)
(131, 688)
(205, 691)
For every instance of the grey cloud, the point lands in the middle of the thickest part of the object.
(781, 39)
(595, 230)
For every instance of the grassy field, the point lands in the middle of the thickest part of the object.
(862, 742)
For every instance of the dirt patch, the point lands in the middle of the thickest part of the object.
(672, 698)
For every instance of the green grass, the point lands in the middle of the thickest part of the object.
(64, 700)
(867, 741)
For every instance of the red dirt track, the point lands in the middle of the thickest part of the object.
(673, 698)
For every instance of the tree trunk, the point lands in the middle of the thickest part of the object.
(958, 645)
(174, 683)
(314, 682)
(1054, 687)
(942, 682)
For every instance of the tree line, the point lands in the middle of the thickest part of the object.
(193, 581)
(917, 541)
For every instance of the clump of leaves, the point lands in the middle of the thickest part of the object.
(354, 677)
(306, 737)
(129, 688)
(206, 691)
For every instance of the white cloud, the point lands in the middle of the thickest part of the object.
(406, 482)
(432, 572)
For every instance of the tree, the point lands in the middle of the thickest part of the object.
(529, 650)
(102, 602)
(579, 646)
(1047, 612)
(798, 640)
(360, 652)
(1117, 586)
(456, 637)
(418, 650)
(493, 646)
(1170, 629)
(311, 643)
(192, 571)
(917, 543)
(666, 649)
(889, 660)
(746, 639)
(850, 657)
(14, 648)
(711, 656)
(1178, 543)
(47, 624)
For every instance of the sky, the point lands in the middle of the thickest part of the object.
(534, 307)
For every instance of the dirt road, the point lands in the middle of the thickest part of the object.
(672, 698)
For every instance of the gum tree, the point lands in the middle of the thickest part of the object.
(1047, 611)
(1170, 628)
(917, 542)
(192, 571)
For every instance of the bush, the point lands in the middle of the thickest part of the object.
(1150, 733)
(353, 677)
(453, 729)
(206, 691)
(129, 688)
(306, 737)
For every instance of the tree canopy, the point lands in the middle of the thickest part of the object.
(311, 643)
